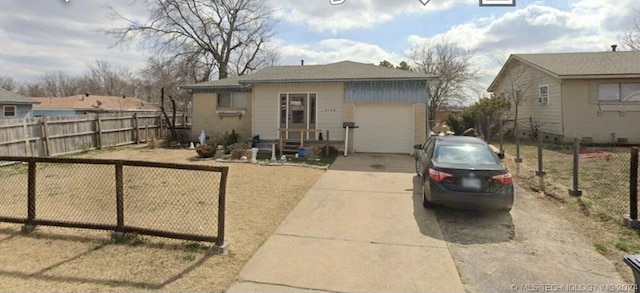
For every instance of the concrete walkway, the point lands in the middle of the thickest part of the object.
(358, 229)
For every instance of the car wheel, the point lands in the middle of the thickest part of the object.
(417, 167)
(425, 202)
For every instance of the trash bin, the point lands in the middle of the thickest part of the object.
(302, 153)
(256, 141)
(633, 261)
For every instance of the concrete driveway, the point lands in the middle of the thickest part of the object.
(356, 230)
(362, 228)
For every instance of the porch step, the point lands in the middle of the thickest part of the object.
(290, 146)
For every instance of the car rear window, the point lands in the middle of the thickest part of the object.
(475, 154)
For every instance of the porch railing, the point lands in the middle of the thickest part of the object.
(283, 132)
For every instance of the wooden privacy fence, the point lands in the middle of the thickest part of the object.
(51, 136)
(179, 201)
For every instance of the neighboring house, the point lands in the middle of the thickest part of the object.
(15, 105)
(387, 105)
(595, 96)
(88, 104)
(445, 111)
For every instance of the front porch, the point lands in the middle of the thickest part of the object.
(291, 140)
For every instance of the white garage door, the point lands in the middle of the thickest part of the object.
(384, 128)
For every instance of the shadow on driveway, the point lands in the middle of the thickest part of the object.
(362, 162)
(462, 226)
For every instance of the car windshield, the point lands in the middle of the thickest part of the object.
(475, 154)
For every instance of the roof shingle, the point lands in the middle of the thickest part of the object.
(14, 98)
(587, 63)
(340, 71)
(231, 82)
(334, 72)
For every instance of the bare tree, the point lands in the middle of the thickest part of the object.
(57, 84)
(452, 64)
(103, 79)
(225, 35)
(7, 83)
(631, 39)
(167, 74)
(32, 89)
(515, 86)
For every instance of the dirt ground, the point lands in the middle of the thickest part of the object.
(61, 259)
(600, 231)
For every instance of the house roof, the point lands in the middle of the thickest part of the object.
(583, 65)
(231, 82)
(9, 97)
(334, 72)
(94, 103)
(340, 71)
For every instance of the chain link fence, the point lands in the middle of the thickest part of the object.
(603, 172)
(170, 200)
(604, 178)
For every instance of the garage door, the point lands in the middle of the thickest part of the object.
(384, 128)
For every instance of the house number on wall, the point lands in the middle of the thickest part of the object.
(329, 110)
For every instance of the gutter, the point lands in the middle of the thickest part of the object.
(425, 79)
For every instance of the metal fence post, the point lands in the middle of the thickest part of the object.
(119, 197)
(633, 184)
(222, 192)
(540, 173)
(576, 158)
(31, 198)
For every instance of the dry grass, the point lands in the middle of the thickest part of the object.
(58, 259)
(603, 173)
(598, 213)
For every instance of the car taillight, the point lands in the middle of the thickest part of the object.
(438, 176)
(504, 178)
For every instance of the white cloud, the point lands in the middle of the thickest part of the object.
(320, 16)
(334, 50)
(587, 26)
(47, 35)
(34, 43)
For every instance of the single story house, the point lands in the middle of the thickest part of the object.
(89, 104)
(595, 96)
(388, 106)
(15, 105)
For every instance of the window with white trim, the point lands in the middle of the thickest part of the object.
(9, 111)
(619, 92)
(232, 100)
(543, 94)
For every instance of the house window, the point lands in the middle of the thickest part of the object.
(9, 111)
(543, 94)
(619, 92)
(232, 100)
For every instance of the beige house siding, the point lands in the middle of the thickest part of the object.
(528, 80)
(330, 103)
(603, 123)
(205, 118)
(420, 127)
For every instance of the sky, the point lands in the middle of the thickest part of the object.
(39, 36)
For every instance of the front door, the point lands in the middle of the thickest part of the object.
(298, 112)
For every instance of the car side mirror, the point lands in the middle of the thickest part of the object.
(417, 147)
